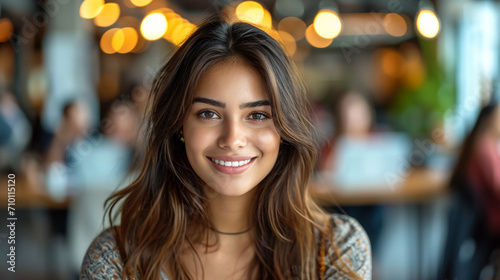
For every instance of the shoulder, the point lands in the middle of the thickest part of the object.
(102, 260)
(351, 249)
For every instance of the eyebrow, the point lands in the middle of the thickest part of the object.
(210, 102)
(217, 103)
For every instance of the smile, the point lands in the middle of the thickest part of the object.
(231, 163)
(232, 166)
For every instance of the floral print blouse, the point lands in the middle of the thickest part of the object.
(103, 260)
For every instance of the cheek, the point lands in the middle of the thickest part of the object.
(268, 140)
(197, 140)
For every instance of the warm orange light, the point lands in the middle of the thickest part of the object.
(6, 29)
(395, 25)
(91, 8)
(106, 41)
(427, 24)
(154, 26)
(391, 62)
(130, 40)
(110, 12)
(315, 40)
(182, 32)
(170, 15)
(118, 40)
(173, 23)
(294, 26)
(327, 24)
(267, 20)
(250, 11)
(140, 3)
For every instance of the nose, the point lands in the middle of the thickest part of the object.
(233, 135)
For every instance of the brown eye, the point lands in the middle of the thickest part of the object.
(259, 116)
(208, 115)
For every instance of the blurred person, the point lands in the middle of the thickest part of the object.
(354, 121)
(100, 171)
(353, 118)
(222, 193)
(15, 132)
(474, 219)
(73, 127)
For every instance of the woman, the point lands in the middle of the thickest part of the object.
(479, 165)
(474, 216)
(223, 190)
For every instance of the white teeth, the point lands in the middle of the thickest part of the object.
(231, 163)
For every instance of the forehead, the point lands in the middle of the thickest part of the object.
(232, 80)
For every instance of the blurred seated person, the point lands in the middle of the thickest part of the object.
(474, 219)
(98, 171)
(15, 132)
(353, 119)
(72, 127)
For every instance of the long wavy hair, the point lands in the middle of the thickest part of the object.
(166, 208)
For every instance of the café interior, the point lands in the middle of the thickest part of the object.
(396, 89)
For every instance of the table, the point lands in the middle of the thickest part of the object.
(28, 195)
(418, 185)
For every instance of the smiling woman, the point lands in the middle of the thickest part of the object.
(230, 122)
(223, 190)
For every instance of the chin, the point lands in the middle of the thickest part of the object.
(230, 190)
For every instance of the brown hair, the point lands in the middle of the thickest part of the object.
(166, 207)
(483, 122)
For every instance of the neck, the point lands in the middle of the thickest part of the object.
(231, 214)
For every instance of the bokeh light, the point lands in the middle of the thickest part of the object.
(181, 32)
(109, 14)
(140, 3)
(250, 11)
(294, 26)
(173, 22)
(6, 29)
(391, 62)
(267, 20)
(91, 8)
(154, 26)
(124, 40)
(395, 25)
(106, 41)
(315, 40)
(427, 24)
(118, 40)
(327, 24)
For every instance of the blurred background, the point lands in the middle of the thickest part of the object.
(397, 89)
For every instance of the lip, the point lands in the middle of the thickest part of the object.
(232, 169)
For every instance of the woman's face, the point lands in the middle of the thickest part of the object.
(230, 138)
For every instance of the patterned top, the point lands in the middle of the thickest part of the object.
(103, 260)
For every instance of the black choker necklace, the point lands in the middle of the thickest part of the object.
(230, 233)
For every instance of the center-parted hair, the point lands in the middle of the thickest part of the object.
(166, 209)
